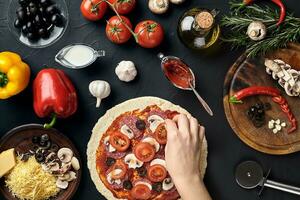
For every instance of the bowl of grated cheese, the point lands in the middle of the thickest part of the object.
(28, 179)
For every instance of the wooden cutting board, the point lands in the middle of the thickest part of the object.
(247, 72)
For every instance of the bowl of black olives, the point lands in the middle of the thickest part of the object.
(38, 23)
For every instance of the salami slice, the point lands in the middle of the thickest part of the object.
(130, 121)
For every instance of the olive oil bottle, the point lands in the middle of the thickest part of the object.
(197, 28)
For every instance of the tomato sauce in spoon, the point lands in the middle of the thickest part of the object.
(177, 72)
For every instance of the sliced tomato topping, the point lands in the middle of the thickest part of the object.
(119, 141)
(157, 173)
(144, 151)
(140, 191)
(118, 170)
(161, 134)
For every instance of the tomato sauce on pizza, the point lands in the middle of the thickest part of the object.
(130, 158)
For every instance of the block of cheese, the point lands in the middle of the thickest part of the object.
(7, 161)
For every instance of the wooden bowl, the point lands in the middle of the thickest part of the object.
(20, 139)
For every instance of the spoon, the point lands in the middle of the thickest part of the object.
(249, 175)
(190, 81)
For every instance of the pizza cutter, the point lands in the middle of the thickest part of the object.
(249, 175)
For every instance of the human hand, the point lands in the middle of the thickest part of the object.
(182, 155)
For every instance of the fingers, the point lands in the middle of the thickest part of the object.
(171, 129)
(194, 126)
(201, 133)
(183, 125)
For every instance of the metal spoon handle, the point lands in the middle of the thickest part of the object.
(282, 187)
(202, 101)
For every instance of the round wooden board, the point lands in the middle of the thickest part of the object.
(247, 72)
(20, 139)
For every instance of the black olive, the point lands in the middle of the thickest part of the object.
(41, 143)
(21, 14)
(250, 114)
(267, 106)
(157, 187)
(57, 20)
(45, 137)
(54, 147)
(30, 26)
(47, 145)
(127, 185)
(35, 139)
(18, 23)
(24, 29)
(33, 11)
(25, 157)
(23, 3)
(35, 148)
(39, 157)
(140, 124)
(259, 106)
(46, 3)
(253, 109)
(43, 33)
(142, 171)
(110, 161)
(50, 10)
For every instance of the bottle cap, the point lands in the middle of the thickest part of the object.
(204, 20)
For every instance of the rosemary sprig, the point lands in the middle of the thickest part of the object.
(238, 21)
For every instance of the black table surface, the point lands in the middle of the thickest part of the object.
(225, 149)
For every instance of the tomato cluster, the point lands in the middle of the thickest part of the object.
(148, 33)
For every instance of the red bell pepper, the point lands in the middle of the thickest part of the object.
(53, 95)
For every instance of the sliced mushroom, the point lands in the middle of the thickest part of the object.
(50, 157)
(127, 131)
(132, 161)
(158, 6)
(62, 184)
(75, 163)
(154, 121)
(53, 167)
(65, 167)
(65, 155)
(64, 177)
(167, 184)
(72, 176)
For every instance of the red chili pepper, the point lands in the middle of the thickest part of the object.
(53, 94)
(285, 108)
(253, 90)
(282, 11)
(277, 2)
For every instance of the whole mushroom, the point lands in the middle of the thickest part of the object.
(158, 6)
(177, 1)
(256, 31)
(126, 71)
(100, 90)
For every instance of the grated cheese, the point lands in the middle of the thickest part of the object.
(28, 181)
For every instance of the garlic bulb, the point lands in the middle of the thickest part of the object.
(100, 90)
(126, 71)
(256, 31)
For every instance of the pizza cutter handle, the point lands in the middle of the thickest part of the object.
(282, 187)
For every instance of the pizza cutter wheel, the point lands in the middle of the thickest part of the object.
(249, 175)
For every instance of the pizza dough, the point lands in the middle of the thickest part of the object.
(105, 121)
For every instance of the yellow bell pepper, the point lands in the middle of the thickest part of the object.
(14, 74)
